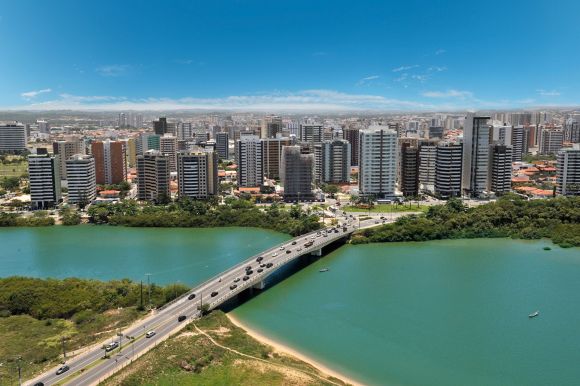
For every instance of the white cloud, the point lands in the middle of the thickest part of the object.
(548, 92)
(113, 70)
(437, 69)
(33, 94)
(405, 68)
(367, 79)
(448, 94)
(404, 76)
(440, 51)
(421, 78)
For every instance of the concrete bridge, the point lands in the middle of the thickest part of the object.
(91, 366)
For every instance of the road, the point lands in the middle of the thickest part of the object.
(90, 367)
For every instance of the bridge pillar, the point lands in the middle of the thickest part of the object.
(317, 252)
(260, 285)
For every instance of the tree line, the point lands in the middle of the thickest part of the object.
(510, 216)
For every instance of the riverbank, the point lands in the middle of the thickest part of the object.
(557, 219)
(280, 348)
(214, 351)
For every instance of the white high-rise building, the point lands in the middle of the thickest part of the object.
(568, 171)
(476, 141)
(333, 163)
(82, 183)
(197, 174)
(43, 127)
(12, 138)
(44, 180)
(427, 161)
(311, 133)
(249, 161)
(64, 150)
(378, 162)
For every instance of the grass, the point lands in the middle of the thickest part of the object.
(39, 342)
(190, 358)
(388, 208)
(13, 170)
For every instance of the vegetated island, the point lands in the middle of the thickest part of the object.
(510, 216)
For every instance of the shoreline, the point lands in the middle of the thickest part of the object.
(278, 347)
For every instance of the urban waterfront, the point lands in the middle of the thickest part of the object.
(184, 255)
(434, 313)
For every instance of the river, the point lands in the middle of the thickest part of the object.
(435, 313)
(170, 255)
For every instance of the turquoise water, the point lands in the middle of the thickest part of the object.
(186, 255)
(435, 313)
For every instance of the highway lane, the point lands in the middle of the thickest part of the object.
(89, 367)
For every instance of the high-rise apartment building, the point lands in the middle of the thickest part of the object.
(519, 143)
(12, 138)
(332, 164)
(153, 177)
(377, 162)
(500, 171)
(249, 160)
(184, 130)
(168, 147)
(64, 150)
(146, 142)
(44, 181)
(427, 161)
(270, 127)
(352, 135)
(110, 159)
(160, 126)
(409, 176)
(476, 141)
(297, 174)
(551, 140)
(197, 174)
(131, 146)
(448, 170)
(43, 126)
(272, 155)
(436, 132)
(568, 171)
(311, 133)
(81, 179)
(222, 145)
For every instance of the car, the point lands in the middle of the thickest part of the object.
(262, 265)
(39, 384)
(111, 346)
(181, 318)
(233, 286)
(62, 369)
(325, 235)
(237, 279)
(260, 270)
(249, 272)
(214, 294)
(313, 237)
(191, 297)
(248, 267)
(246, 278)
(288, 251)
(150, 334)
(274, 254)
(269, 265)
(281, 248)
(293, 242)
(376, 222)
(260, 258)
(299, 249)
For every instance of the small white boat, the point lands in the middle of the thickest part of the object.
(534, 314)
(324, 270)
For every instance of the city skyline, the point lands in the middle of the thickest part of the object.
(260, 56)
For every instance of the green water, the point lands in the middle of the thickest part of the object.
(434, 313)
(187, 255)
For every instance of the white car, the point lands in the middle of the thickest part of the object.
(281, 248)
(274, 254)
(150, 334)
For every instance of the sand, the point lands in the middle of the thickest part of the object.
(280, 348)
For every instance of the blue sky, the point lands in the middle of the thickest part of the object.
(287, 55)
